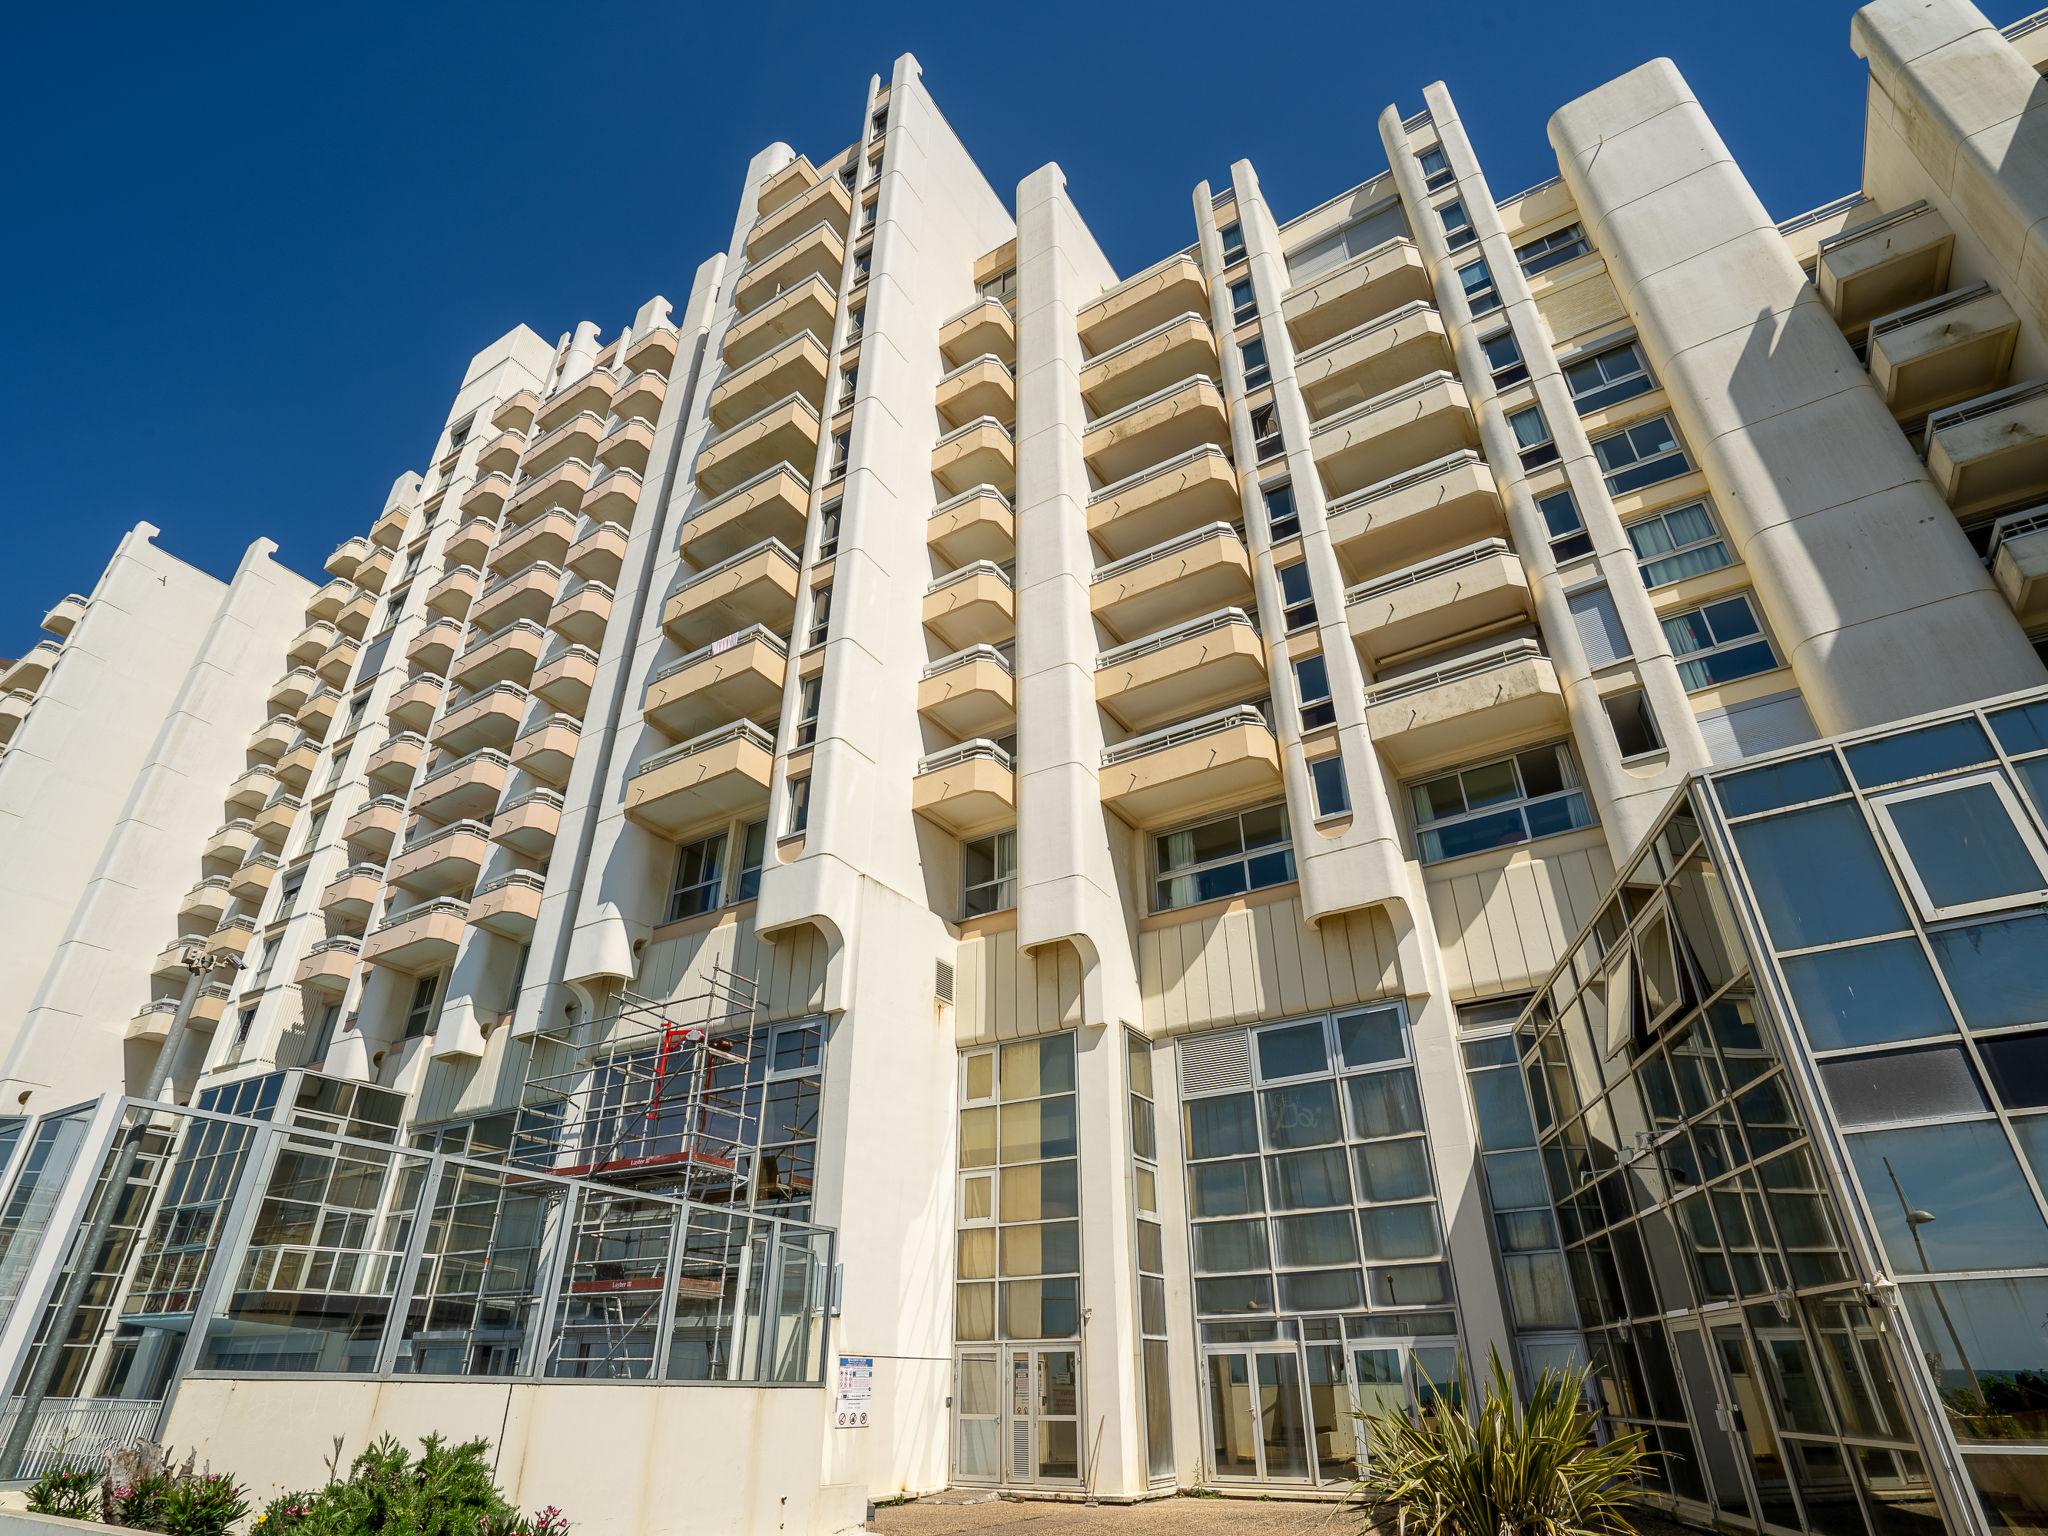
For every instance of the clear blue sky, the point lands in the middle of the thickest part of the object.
(248, 254)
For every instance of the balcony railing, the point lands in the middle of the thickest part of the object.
(1188, 540)
(739, 730)
(1466, 666)
(964, 752)
(1188, 730)
(753, 632)
(1145, 646)
(967, 658)
(1424, 570)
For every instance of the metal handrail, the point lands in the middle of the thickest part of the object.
(768, 258)
(972, 492)
(972, 568)
(448, 904)
(983, 299)
(2013, 524)
(1420, 475)
(468, 759)
(466, 826)
(1940, 303)
(1344, 269)
(780, 467)
(546, 797)
(1380, 402)
(966, 657)
(340, 943)
(1872, 226)
(974, 362)
(974, 425)
(359, 871)
(719, 646)
(1985, 405)
(1149, 335)
(1131, 650)
(1469, 666)
(1819, 215)
(730, 561)
(1188, 730)
(1157, 267)
(1146, 402)
(1423, 570)
(1174, 545)
(1530, 191)
(1180, 460)
(525, 877)
(744, 730)
(964, 752)
(1379, 322)
(545, 567)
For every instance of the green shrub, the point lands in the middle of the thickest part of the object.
(1505, 1470)
(66, 1490)
(206, 1505)
(447, 1490)
(138, 1504)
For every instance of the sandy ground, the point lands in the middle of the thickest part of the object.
(1181, 1516)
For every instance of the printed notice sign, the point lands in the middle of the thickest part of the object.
(856, 1390)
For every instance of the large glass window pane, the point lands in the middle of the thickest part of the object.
(1399, 1170)
(1301, 1116)
(1949, 1197)
(1819, 877)
(2019, 1070)
(1304, 1180)
(1915, 754)
(1046, 1191)
(1225, 1246)
(1384, 1104)
(1292, 1050)
(1321, 1290)
(1997, 971)
(1780, 784)
(1222, 1127)
(1371, 1038)
(1399, 1231)
(1225, 1189)
(1889, 1086)
(1036, 1129)
(1867, 995)
(1987, 1344)
(1324, 1238)
(1964, 846)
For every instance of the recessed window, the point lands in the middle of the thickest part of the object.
(1719, 643)
(1297, 600)
(799, 805)
(1224, 857)
(1609, 377)
(863, 264)
(1312, 686)
(1481, 296)
(1436, 170)
(1645, 454)
(1532, 437)
(1257, 372)
(1504, 358)
(1458, 232)
(1266, 442)
(1553, 249)
(1232, 236)
(1326, 779)
(1568, 536)
(1499, 804)
(988, 874)
(753, 850)
(821, 616)
(828, 530)
(807, 710)
(1282, 520)
(1673, 545)
(842, 450)
(1244, 303)
(856, 322)
(419, 1014)
(699, 878)
(1635, 727)
(878, 123)
(849, 386)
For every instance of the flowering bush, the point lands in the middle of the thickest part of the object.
(65, 1490)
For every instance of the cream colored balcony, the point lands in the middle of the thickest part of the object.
(2019, 563)
(252, 881)
(977, 524)
(1190, 669)
(974, 605)
(1388, 434)
(793, 367)
(1173, 287)
(435, 645)
(232, 937)
(250, 789)
(614, 496)
(580, 616)
(420, 939)
(983, 328)
(308, 643)
(1379, 356)
(205, 904)
(969, 693)
(396, 763)
(1465, 709)
(1439, 601)
(1177, 348)
(527, 593)
(270, 739)
(326, 603)
(388, 532)
(599, 553)
(329, 965)
(1948, 349)
(500, 456)
(705, 782)
(786, 432)
(969, 789)
(1185, 770)
(64, 615)
(775, 504)
(529, 823)
(442, 860)
(317, 713)
(1884, 264)
(641, 395)
(574, 439)
(229, 844)
(375, 825)
(273, 824)
(565, 680)
(654, 349)
(413, 705)
(825, 202)
(1164, 501)
(980, 387)
(209, 1006)
(338, 661)
(785, 186)
(355, 614)
(980, 453)
(755, 586)
(560, 489)
(491, 719)
(545, 541)
(152, 1022)
(466, 789)
(547, 751)
(374, 571)
(471, 542)
(626, 445)
(817, 252)
(515, 413)
(295, 767)
(14, 707)
(292, 690)
(590, 393)
(30, 669)
(810, 306)
(1166, 423)
(1364, 288)
(737, 677)
(454, 592)
(509, 906)
(169, 964)
(1993, 450)
(353, 894)
(1421, 512)
(347, 557)
(1203, 570)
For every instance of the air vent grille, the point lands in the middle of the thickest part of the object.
(1214, 1062)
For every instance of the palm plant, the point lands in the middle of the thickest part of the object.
(1499, 1469)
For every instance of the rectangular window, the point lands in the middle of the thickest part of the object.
(879, 123)
(1458, 231)
(863, 263)
(1256, 370)
(1645, 454)
(1282, 520)
(1266, 442)
(1598, 622)
(1298, 602)
(799, 805)
(1553, 249)
(699, 878)
(1244, 303)
(849, 386)
(1719, 642)
(1326, 778)
(1232, 236)
(828, 530)
(1681, 542)
(867, 214)
(1609, 377)
(419, 1015)
(1568, 536)
(988, 874)
(753, 849)
(807, 710)
(1532, 437)
(1436, 170)
(1312, 684)
(1481, 297)
(358, 705)
(821, 615)
(323, 1036)
(842, 450)
(1635, 727)
(1504, 358)
(1499, 804)
(1224, 857)
(856, 322)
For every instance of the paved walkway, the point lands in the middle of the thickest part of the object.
(1180, 1516)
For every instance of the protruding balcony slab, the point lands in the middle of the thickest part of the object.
(515, 413)
(412, 706)
(785, 186)
(486, 496)
(354, 616)
(1163, 501)
(307, 645)
(785, 432)
(466, 789)
(561, 488)
(543, 541)
(490, 719)
(1177, 348)
(565, 680)
(318, 712)
(501, 454)
(2019, 563)
(755, 586)
(471, 541)
(825, 201)
(1423, 512)
(1379, 356)
(353, 894)
(250, 788)
(232, 937)
(737, 677)
(1948, 349)
(1173, 287)
(984, 327)
(1991, 451)
(591, 391)
(653, 350)
(347, 556)
(977, 524)
(969, 790)
(615, 496)
(295, 767)
(326, 603)
(774, 505)
(580, 616)
(980, 387)
(374, 571)
(626, 445)
(509, 906)
(441, 861)
(273, 824)
(228, 845)
(252, 881)
(641, 395)
(206, 903)
(548, 750)
(793, 367)
(437, 643)
(705, 782)
(527, 593)
(599, 553)
(980, 453)
(388, 531)
(209, 1006)
(1363, 288)
(1199, 572)
(529, 823)
(329, 965)
(974, 605)
(64, 615)
(1420, 422)
(969, 693)
(1466, 709)
(811, 305)
(1884, 264)
(292, 690)
(1183, 771)
(152, 1022)
(418, 939)
(1188, 670)
(396, 763)
(1164, 424)
(817, 252)
(451, 595)
(575, 437)
(270, 739)
(1439, 601)
(509, 656)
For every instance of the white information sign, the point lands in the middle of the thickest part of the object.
(856, 1390)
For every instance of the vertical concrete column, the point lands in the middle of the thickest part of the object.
(1068, 886)
(1345, 861)
(1873, 594)
(1627, 797)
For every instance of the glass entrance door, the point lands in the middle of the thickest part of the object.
(1751, 1422)
(1017, 1415)
(1258, 1429)
(1714, 1424)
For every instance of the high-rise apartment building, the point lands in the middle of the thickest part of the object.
(955, 868)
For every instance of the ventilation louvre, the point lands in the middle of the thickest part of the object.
(942, 981)
(1213, 1062)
